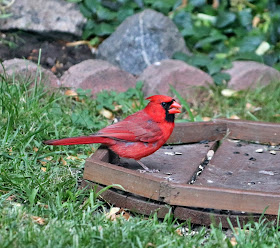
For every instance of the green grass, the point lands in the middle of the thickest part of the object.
(41, 204)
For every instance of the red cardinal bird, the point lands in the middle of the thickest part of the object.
(138, 135)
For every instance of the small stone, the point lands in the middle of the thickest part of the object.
(142, 40)
(247, 74)
(252, 159)
(97, 75)
(45, 16)
(27, 71)
(272, 152)
(180, 75)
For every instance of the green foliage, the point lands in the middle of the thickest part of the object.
(4, 6)
(233, 30)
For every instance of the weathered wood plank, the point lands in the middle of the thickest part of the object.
(220, 198)
(200, 217)
(239, 166)
(132, 202)
(132, 181)
(263, 132)
(192, 132)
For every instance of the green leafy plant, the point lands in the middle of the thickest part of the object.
(4, 6)
(216, 34)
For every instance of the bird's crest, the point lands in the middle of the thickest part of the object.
(159, 98)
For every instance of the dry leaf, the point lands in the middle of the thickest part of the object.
(256, 20)
(70, 93)
(11, 198)
(233, 241)
(228, 92)
(126, 215)
(38, 220)
(43, 169)
(215, 4)
(117, 107)
(53, 69)
(43, 162)
(10, 151)
(179, 231)
(206, 118)
(116, 212)
(107, 114)
(235, 117)
(63, 161)
(72, 158)
(150, 245)
(35, 149)
(112, 214)
(49, 158)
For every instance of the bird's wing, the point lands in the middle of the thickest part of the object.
(137, 127)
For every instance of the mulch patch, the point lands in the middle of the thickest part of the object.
(55, 54)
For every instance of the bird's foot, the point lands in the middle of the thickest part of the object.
(148, 171)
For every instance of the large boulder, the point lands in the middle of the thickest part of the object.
(44, 16)
(97, 75)
(246, 74)
(27, 71)
(141, 40)
(158, 77)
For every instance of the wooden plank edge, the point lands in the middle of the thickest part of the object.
(193, 132)
(132, 181)
(146, 207)
(263, 132)
(220, 198)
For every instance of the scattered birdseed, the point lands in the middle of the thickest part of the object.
(170, 153)
(173, 153)
(259, 150)
(178, 153)
(271, 173)
(210, 154)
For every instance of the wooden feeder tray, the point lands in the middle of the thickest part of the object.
(242, 178)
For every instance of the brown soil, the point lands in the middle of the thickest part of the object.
(55, 54)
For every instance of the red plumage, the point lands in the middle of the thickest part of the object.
(138, 135)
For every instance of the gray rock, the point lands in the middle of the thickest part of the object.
(45, 16)
(183, 77)
(246, 74)
(97, 75)
(141, 40)
(27, 71)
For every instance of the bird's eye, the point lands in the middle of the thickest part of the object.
(163, 104)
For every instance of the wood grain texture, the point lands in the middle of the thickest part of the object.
(263, 132)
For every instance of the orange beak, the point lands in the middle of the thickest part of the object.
(174, 108)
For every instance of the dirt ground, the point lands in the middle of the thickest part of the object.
(55, 54)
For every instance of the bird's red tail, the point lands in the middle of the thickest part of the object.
(79, 141)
